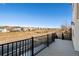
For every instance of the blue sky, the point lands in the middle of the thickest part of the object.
(34, 14)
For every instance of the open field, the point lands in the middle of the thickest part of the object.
(15, 36)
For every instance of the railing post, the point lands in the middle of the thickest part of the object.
(2, 50)
(53, 37)
(47, 40)
(62, 36)
(32, 46)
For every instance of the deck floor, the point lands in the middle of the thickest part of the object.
(59, 48)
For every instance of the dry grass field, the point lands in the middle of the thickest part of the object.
(15, 36)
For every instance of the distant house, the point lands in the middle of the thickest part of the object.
(4, 30)
(32, 28)
(25, 29)
(15, 29)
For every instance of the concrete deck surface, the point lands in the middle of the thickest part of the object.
(59, 48)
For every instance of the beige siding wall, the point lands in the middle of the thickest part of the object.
(75, 27)
(74, 7)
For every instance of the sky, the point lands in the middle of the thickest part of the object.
(35, 14)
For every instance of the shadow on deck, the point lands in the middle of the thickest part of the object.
(59, 48)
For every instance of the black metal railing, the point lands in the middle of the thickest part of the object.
(27, 47)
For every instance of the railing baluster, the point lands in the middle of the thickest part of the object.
(29, 43)
(19, 48)
(22, 48)
(25, 47)
(16, 48)
(12, 48)
(30, 47)
(7, 49)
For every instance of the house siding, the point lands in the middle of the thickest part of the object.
(75, 27)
